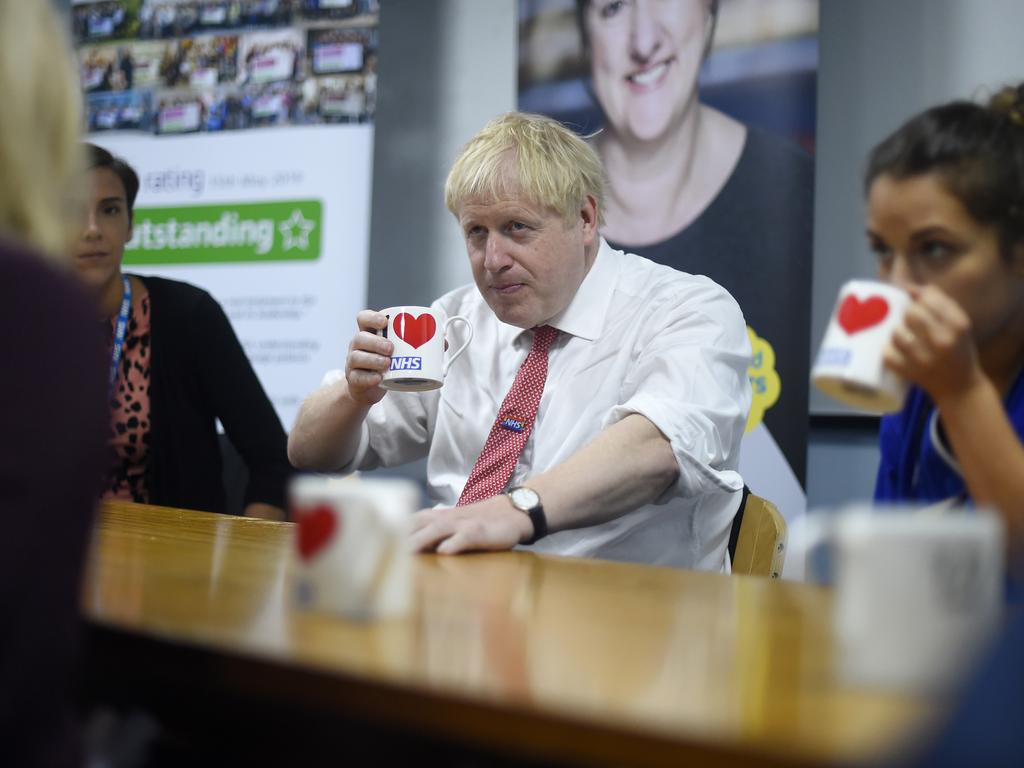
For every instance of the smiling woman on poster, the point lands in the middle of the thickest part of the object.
(695, 189)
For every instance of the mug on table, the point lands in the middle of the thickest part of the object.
(352, 544)
(918, 591)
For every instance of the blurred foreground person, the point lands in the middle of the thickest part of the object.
(984, 726)
(52, 415)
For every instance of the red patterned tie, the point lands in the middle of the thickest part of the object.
(513, 425)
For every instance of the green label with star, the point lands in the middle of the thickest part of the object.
(284, 230)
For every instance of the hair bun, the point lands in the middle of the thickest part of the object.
(1009, 101)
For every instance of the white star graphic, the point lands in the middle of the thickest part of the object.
(295, 231)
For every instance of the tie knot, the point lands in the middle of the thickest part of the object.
(543, 336)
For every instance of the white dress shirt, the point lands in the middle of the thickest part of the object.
(638, 337)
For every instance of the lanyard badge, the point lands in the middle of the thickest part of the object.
(120, 331)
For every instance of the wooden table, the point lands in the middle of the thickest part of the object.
(555, 659)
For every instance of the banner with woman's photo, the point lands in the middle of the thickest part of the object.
(703, 112)
(250, 123)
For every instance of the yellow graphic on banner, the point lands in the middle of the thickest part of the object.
(764, 379)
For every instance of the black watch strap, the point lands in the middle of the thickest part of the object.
(540, 523)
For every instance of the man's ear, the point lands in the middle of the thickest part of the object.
(131, 227)
(589, 219)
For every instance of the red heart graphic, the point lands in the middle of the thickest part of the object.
(316, 528)
(415, 331)
(855, 315)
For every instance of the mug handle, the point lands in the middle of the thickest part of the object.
(454, 355)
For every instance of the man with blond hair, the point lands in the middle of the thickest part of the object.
(598, 410)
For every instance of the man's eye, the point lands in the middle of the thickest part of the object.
(517, 226)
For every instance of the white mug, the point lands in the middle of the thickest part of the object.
(418, 362)
(353, 555)
(849, 365)
(917, 595)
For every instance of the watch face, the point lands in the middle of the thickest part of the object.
(524, 498)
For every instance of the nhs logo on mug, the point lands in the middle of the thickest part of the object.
(834, 356)
(406, 363)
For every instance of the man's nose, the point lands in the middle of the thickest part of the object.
(496, 256)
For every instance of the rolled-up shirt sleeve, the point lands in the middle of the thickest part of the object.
(689, 378)
(396, 431)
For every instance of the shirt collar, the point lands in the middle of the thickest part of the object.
(586, 314)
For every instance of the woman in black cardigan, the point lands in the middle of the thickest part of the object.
(176, 367)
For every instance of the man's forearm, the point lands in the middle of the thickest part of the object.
(627, 465)
(327, 429)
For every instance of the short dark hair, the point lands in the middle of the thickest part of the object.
(977, 150)
(98, 157)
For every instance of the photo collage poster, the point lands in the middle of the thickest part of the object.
(250, 123)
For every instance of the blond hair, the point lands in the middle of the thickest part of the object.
(40, 157)
(554, 167)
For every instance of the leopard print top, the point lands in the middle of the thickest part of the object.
(129, 405)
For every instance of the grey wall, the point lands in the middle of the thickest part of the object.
(446, 68)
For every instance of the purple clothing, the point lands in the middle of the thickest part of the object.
(53, 424)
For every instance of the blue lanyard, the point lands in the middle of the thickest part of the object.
(120, 331)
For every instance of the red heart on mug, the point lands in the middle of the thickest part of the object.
(316, 528)
(855, 315)
(415, 331)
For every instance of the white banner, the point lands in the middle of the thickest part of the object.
(294, 318)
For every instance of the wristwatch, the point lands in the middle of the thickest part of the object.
(526, 500)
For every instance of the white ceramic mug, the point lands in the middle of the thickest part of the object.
(419, 361)
(352, 545)
(849, 365)
(917, 595)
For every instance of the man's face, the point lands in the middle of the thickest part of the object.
(527, 263)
